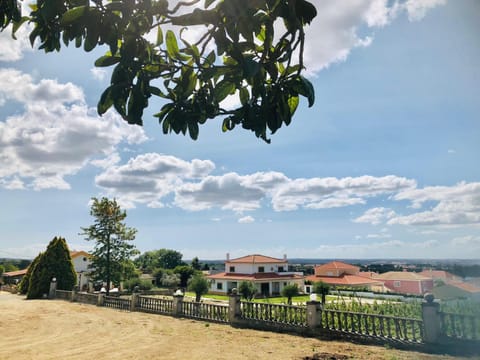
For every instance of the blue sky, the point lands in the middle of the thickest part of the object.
(384, 165)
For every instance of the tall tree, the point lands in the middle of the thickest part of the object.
(55, 262)
(25, 283)
(112, 241)
(256, 61)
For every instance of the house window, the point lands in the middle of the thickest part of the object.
(396, 283)
(280, 269)
(219, 286)
(261, 269)
(232, 269)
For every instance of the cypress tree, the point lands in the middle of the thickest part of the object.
(55, 262)
(25, 283)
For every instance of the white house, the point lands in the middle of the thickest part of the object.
(81, 260)
(268, 274)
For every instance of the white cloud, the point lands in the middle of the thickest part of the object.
(417, 9)
(375, 216)
(468, 241)
(317, 193)
(56, 135)
(149, 177)
(338, 26)
(99, 74)
(13, 50)
(246, 220)
(455, 205)
(229, 192)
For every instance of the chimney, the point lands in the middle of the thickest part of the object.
(285, 257)
(228, 256)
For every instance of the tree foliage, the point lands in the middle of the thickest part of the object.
(321, 288)
(247, 289)
(112, 250)
(55, 262)
(196, 263)
(162, 258)
(199, 285)
(185, 272)
(250, 49)
(289, 291)
(25, 283)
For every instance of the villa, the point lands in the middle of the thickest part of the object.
(340, 274)
(268, 274)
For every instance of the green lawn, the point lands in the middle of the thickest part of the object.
(302, 299)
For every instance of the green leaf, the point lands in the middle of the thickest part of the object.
(159, 36)
(73, 14)
(293, 104)
(223, 89)
(106, 60)
(193, 129)
(250, 68)
(310, 92)
(17, 24)
(208, 3)
(105, 102)
(244, 96)
(172, 47)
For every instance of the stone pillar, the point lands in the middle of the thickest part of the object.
(133, 302)
(177, 304)
(234, 310)
(314, 314)
(100, 299)
(431, 319)
(53, 288)
(74, 293)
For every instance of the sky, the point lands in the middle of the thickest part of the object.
(384, 165)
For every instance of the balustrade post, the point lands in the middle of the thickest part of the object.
(53, 289)
(431, 319)
(314, 314)
(177, 303)
(74, 294)
(133, 302)
(234, 309)
(100, 299)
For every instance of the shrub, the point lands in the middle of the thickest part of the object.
(141, 283)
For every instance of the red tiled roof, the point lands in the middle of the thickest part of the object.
(74, 254)
(15, 273)
(336, 265)
(464, 286)
(256, 259)
(438, 274)
(400, 275)
(345, 279)
(254, 277)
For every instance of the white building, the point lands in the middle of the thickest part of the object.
(81, 260)
(268, 274)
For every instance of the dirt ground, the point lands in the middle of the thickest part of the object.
(55, 329)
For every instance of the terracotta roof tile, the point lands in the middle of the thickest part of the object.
(256, 259)
(336, 265)
(345, 279)
(400, 275)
